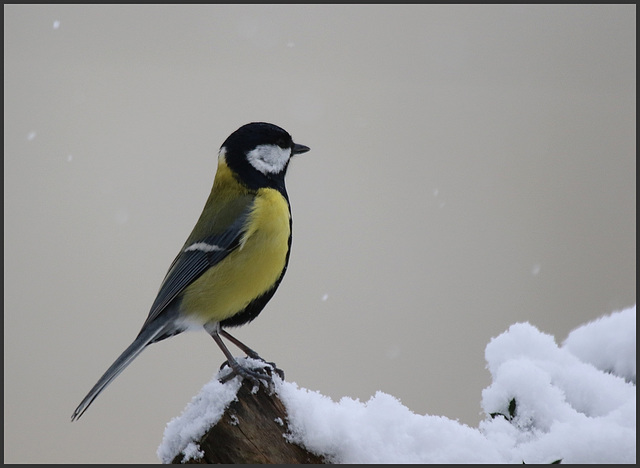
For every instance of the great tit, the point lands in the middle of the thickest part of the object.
(235, 257)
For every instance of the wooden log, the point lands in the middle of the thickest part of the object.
(252, 430)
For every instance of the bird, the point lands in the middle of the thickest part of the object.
(235, 257)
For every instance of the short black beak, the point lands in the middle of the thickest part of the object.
(299, 149)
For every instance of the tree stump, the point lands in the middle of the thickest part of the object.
(252, 430)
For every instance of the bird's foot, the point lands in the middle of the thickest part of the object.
(256, 375)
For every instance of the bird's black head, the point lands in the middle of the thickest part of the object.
(259, 153)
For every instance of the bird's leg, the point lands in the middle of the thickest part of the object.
(243, 347)
(236, 368)
(250, 352)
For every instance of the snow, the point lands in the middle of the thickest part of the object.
(535, 270)
(203, 412)
(609, 344)
(566, 407)
(575, 403)
(380, 430)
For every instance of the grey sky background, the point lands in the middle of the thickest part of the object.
(470, 167)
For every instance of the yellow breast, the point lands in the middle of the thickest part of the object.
(250, 270)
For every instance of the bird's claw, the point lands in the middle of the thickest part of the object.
(264, 373)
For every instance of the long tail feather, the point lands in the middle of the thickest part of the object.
(146, 337)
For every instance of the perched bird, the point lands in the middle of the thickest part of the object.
(235, 257)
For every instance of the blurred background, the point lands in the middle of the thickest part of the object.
(471, 167)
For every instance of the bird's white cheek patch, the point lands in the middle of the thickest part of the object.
(269, 158)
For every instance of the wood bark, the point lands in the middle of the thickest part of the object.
(252, 430)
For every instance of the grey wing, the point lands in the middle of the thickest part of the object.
(193, 261)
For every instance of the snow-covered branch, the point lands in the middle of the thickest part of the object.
(575, 403)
